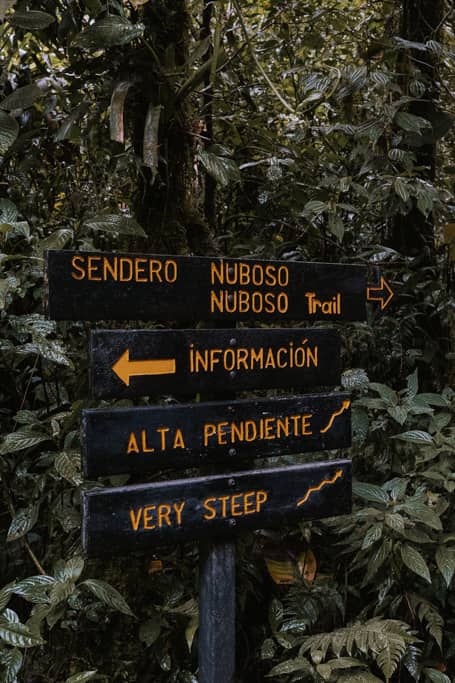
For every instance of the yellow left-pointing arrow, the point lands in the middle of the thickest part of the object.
(125, 368)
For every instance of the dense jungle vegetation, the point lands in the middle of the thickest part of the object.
(295, 129)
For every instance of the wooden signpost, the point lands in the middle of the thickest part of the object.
(131, 518)
(144, 362)
(140, 440)
(127, 364)
(119, 286)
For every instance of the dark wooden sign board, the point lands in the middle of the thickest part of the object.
(140, 440)
(132, 518)
(120, 286)
(132, 363)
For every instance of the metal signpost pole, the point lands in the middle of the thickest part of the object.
(216, 635)
(217, 612)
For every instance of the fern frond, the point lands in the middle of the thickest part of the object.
(385, 640)
(428, 614)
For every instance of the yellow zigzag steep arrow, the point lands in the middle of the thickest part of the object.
(344, 407)
(325, 482)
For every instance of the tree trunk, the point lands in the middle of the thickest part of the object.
(166, 204)
(421, 20)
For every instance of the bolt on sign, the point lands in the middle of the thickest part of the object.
(130, 518)
(117, 286)
(140, 440)
(132, 363)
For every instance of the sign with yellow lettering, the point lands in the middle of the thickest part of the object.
(116, 286)
(130, 518)
(143, 439)
(132, 363)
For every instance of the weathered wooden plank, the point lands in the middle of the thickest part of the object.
(132, 363)
(119, 286)
(140, 440)
(134, 518)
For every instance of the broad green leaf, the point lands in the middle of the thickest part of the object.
(17, 634)
(68, 465)
(124, 225)
(360, 424)
(7, 286)
(9, 130)
(415, 562)
(24, 520)
(8, 210)
(401, 190)
(70, 570)
(377, 559)
(220, 168)
(18, 441)
(22, 98)
(49, 349)
(396, 487)
(386, 393)
(60, 591)
(432, 400)
(371, 492)
(57, 240)
(356, 377)
(412, 384)
(425, 203)
(290, 666)
(395, 521)
(410, 122)
(108, 32)
(109, 595)
(396, 154)
(82, 676)
(66, 129)
(422, 513)
(336, 227)
(149, 631)
(410, 44)
(417, 536)
(436, 676)
(12, 661)
(373, 534)
(398, 413)
(445, 561)
(416, 436)
(31, 20)
(314, 207)
(5, 595)
(34, 588)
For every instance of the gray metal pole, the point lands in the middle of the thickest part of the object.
(217, 613)
(217, 594)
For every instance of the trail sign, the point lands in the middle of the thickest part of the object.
(139, 440)
(130, 518)
(132, 363)
(119, 286)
